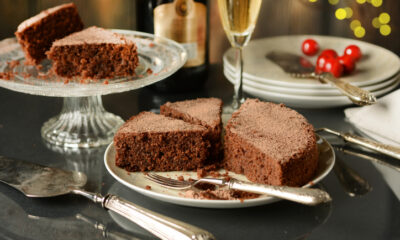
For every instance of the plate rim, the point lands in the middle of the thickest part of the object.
(311, 91)
(321, 102)
(219, 204)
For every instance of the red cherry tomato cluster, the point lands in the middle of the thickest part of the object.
(329, 61)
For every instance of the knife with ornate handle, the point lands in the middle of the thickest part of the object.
(299, 67)
(35, 180)
(388, 150)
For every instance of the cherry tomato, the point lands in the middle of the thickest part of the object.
(329, 53)
(353, 51)
(348, 63)
(333, 66)
(310, 47)
(321, 60)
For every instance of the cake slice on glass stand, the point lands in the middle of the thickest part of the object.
(83, 121)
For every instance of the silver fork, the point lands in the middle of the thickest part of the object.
(307, 196)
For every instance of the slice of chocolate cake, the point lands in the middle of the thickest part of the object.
(94, 53)
(270, 144)
(202, 111)
(149, 141)
(37, 33)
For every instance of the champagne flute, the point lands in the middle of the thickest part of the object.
(238, 20)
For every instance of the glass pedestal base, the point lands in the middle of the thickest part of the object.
(82, 123)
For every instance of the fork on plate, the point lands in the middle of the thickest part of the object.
(307, 196)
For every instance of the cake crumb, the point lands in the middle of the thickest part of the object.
(6, 75)
(106, 82)
(151, 44)
(219, 194)
(13, 63)
(148, 187)
(181, 178)
(149, 71)
(201, 173)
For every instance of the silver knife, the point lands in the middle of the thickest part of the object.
(35, 180)
(300, 67)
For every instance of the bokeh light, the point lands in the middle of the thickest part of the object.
(359, 32)
(385, 30)
(361, 1)
(384, 18)
(340, 13)
(376, 23)
(333, 2)
(355, 23)
(349, 12)
(376, 3)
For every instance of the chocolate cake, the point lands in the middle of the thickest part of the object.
(149, 141)
(270, 144)
(94, 53)
(37, 33)
(202, 111)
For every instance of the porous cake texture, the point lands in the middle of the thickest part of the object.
(149, 141)
(271, 144)
(94, 53)
(37, 33)
(202, 111)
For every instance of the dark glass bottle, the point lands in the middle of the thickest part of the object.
(185, 21)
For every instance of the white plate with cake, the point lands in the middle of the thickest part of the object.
(139, 183)
(263, 142)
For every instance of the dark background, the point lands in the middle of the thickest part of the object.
(280, 17)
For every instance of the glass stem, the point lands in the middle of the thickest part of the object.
(238, 86)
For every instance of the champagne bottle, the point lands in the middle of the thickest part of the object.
(185, 21)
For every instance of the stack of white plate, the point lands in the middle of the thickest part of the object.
(378, 71)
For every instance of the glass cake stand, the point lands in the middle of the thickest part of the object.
(83, 121)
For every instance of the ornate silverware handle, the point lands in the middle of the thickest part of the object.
(355, 94)
(161, 226)
(307, 196)
(376, 146)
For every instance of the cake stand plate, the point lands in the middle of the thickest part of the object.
(83, 121)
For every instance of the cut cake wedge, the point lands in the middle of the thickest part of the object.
(149, 141)
(37, 33)
(94, 53)
(203, 111)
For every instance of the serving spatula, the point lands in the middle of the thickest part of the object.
(299, 67)
(35, 180)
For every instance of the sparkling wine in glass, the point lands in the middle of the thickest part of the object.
(238, 20)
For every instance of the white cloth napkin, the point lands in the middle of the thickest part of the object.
(381, 122)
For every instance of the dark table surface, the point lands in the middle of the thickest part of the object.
(375, 215)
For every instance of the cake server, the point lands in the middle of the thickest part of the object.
(307, 196)
(299, 67)
(35, 180)
(385, 149)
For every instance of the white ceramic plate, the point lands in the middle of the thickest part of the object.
(138, 182)
(303, 91)
(303, 101)
(377, 64)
